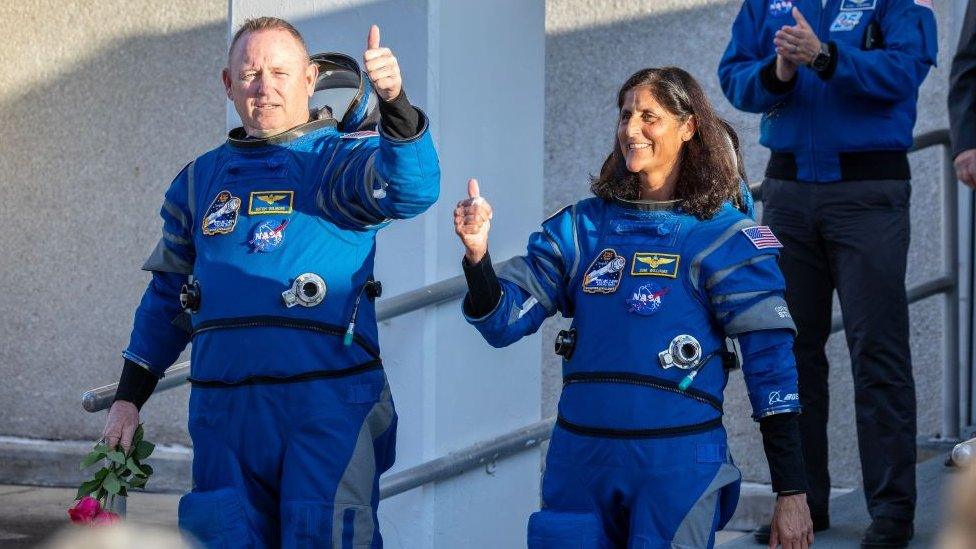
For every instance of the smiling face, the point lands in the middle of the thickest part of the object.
(650, 138)
(269, 79)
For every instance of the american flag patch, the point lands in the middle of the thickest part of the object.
(761, 237)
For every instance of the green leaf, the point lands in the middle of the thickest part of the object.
(147, 470)
(138, 482)
(102, 494)
(101, 448)
(143, 449)
(91, 459)
(137, 436)
(111, 484)
(116, 457)
(101, 474)
(88, 487)
(137, 468)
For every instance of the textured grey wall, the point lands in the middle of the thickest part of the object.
(591, 49)
(102, 103)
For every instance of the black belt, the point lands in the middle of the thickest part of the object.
(854, 166)
(660, 432)
(307, 376)
(642, 380)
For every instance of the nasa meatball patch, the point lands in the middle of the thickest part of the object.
(267, 235)
(646, 299)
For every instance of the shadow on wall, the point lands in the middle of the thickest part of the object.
(586, 64)
(87, 157)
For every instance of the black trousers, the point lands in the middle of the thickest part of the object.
(852, 236)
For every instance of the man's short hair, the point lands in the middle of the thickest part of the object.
(265, 23)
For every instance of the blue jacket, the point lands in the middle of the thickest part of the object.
(247, 218)
(633, 276)
(866, 99)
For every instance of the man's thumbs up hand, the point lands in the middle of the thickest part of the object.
(381, 67)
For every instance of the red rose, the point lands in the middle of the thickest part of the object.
(84, 510)
(104, 518)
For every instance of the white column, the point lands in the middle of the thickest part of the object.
(477, 69)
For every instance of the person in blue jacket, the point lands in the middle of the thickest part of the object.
(669, 286)
(837, 83)
(268, 244)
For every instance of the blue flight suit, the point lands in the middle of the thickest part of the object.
(636, 459)
(837, 194)
(866, 101)
(290, 413)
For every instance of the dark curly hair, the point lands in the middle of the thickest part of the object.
(708, 172)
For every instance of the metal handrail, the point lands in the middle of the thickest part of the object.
(531, 436)
(477, 455)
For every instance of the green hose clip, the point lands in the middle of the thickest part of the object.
(690, 378)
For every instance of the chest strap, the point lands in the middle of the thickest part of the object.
(284, 322)
(642, 380)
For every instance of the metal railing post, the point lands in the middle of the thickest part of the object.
(950, 243)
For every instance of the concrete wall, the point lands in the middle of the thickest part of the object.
(592, 48)
(101, 105)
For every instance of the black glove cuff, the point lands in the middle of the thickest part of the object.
(399, 118)
(781, 441)
(769, 80)
(136, 384)
(484, 290)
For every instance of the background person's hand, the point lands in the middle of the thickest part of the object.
(472, 221)
(382, 67)
(122, 422)
(791, 526)
(797, 43)
(965, 164)
(785, 69)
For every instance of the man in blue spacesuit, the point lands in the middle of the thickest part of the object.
(266, 263)
(837, 84)
(669, 287)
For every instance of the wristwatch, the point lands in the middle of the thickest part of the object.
(822, 60)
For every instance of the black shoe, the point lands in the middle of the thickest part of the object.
(762, 534)
(885, 532)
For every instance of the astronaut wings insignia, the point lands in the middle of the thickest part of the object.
(271, 202)
(655, 264)
(270, 199)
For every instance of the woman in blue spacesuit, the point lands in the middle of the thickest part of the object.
(669, 287)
